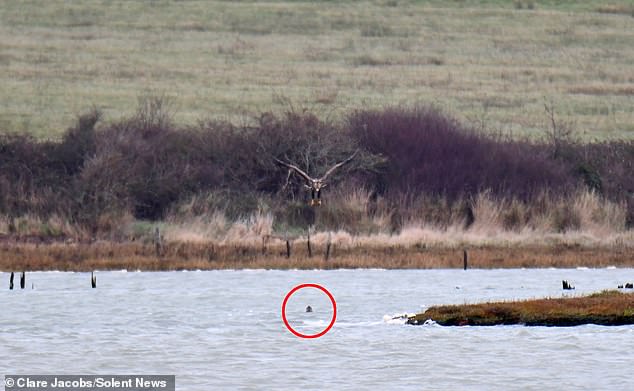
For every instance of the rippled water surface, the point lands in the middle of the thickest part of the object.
(224, 330)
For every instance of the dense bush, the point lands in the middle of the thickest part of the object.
(428, 152)
(607, 168)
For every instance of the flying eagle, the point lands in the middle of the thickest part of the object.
(315, 184)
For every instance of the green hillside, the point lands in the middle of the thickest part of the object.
(492, 64)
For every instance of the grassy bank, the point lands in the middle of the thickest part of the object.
(407, 251)
(493, 62)
(605, 308)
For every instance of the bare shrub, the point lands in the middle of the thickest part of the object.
(559, 132)
(78, 143)
(429, 152)
(154, 111)
(607, 168)
(144, 167)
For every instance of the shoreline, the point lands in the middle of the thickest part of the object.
(110, 255)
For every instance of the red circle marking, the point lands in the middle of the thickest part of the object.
(334, 310)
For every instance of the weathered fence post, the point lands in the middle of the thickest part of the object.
(157, 241)
(11, 281)
(465, 259)
(264, 240)
(22, 280)
(288, 245)
(93, 279)
(328, 244)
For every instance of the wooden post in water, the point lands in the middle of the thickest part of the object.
(22, 280)
(328, 244)
(465, 259)
(93, 280)
(310, 250)
(11, 281)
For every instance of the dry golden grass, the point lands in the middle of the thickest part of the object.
(605, 308)
(505, 234)
(272, 255)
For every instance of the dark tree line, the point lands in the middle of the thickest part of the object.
(146, 165)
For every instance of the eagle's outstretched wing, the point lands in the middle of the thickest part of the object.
(341, 163)
(296, 169)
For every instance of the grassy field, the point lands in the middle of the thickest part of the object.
(493, 64)
(604, 308)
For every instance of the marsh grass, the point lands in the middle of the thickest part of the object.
(212, 241)
(419, 250)
(604, 308)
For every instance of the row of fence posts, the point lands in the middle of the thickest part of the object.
(309, 246)
(93, 280)
(158, 244)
